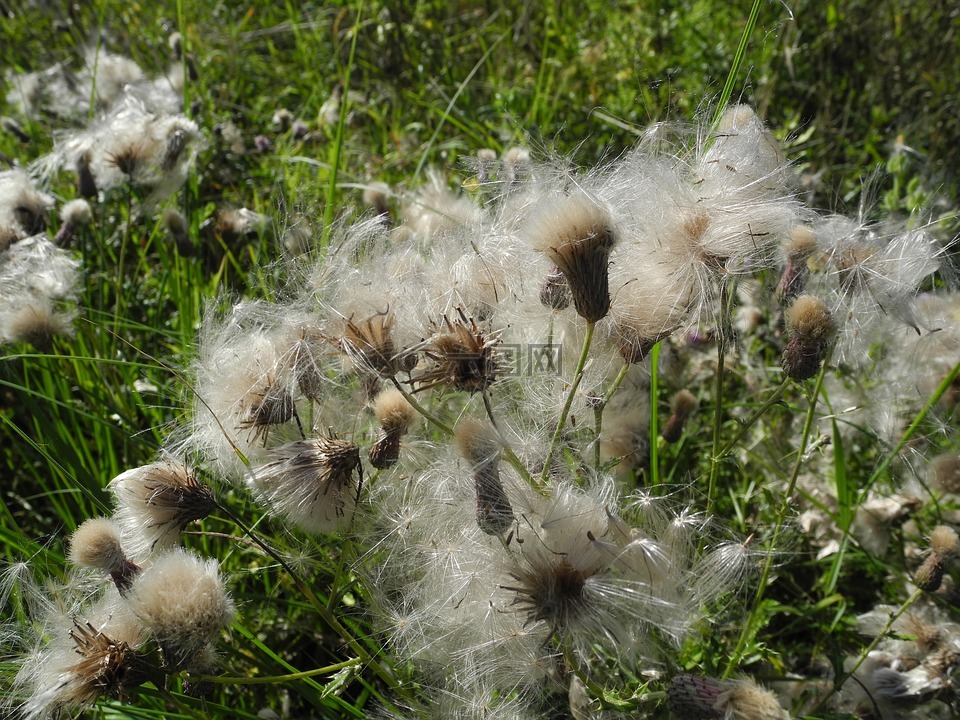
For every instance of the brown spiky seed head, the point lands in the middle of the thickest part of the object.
(945, 543)
(577, 235)
(368, 343)
(169, 492)
(106, 667)
(464, 356)
(269, 404)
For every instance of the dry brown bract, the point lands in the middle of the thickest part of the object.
(464, 356)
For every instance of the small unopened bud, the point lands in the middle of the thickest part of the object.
(482, 448)
(799, 247)
(930, 573)
(96, 544)
(811, 329)
(692, 697)
(396, 416)
(682, 406)
(554, 290)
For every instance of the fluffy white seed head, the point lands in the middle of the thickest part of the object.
(181, 599)
(35, 321)
(945, 542)
(313, 483)
(393, 412)
(577, 234)
(156, 502)
(96, 544)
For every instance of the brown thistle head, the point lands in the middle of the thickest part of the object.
(369, 344)
(464, 356)
(269, 404)
(106, 667)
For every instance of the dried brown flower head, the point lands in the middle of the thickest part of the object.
(312, 482)
(156, 502)
(106, 667)
(269, 404)
(369, 344)
(550, 591)
(464, 356)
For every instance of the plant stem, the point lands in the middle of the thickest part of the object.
(433, 419)
(748, 423)
(737, 654)
(654, 432)
(578, 376)
(846, 675)
(276, 679)
(718, 402)
(322, 610)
